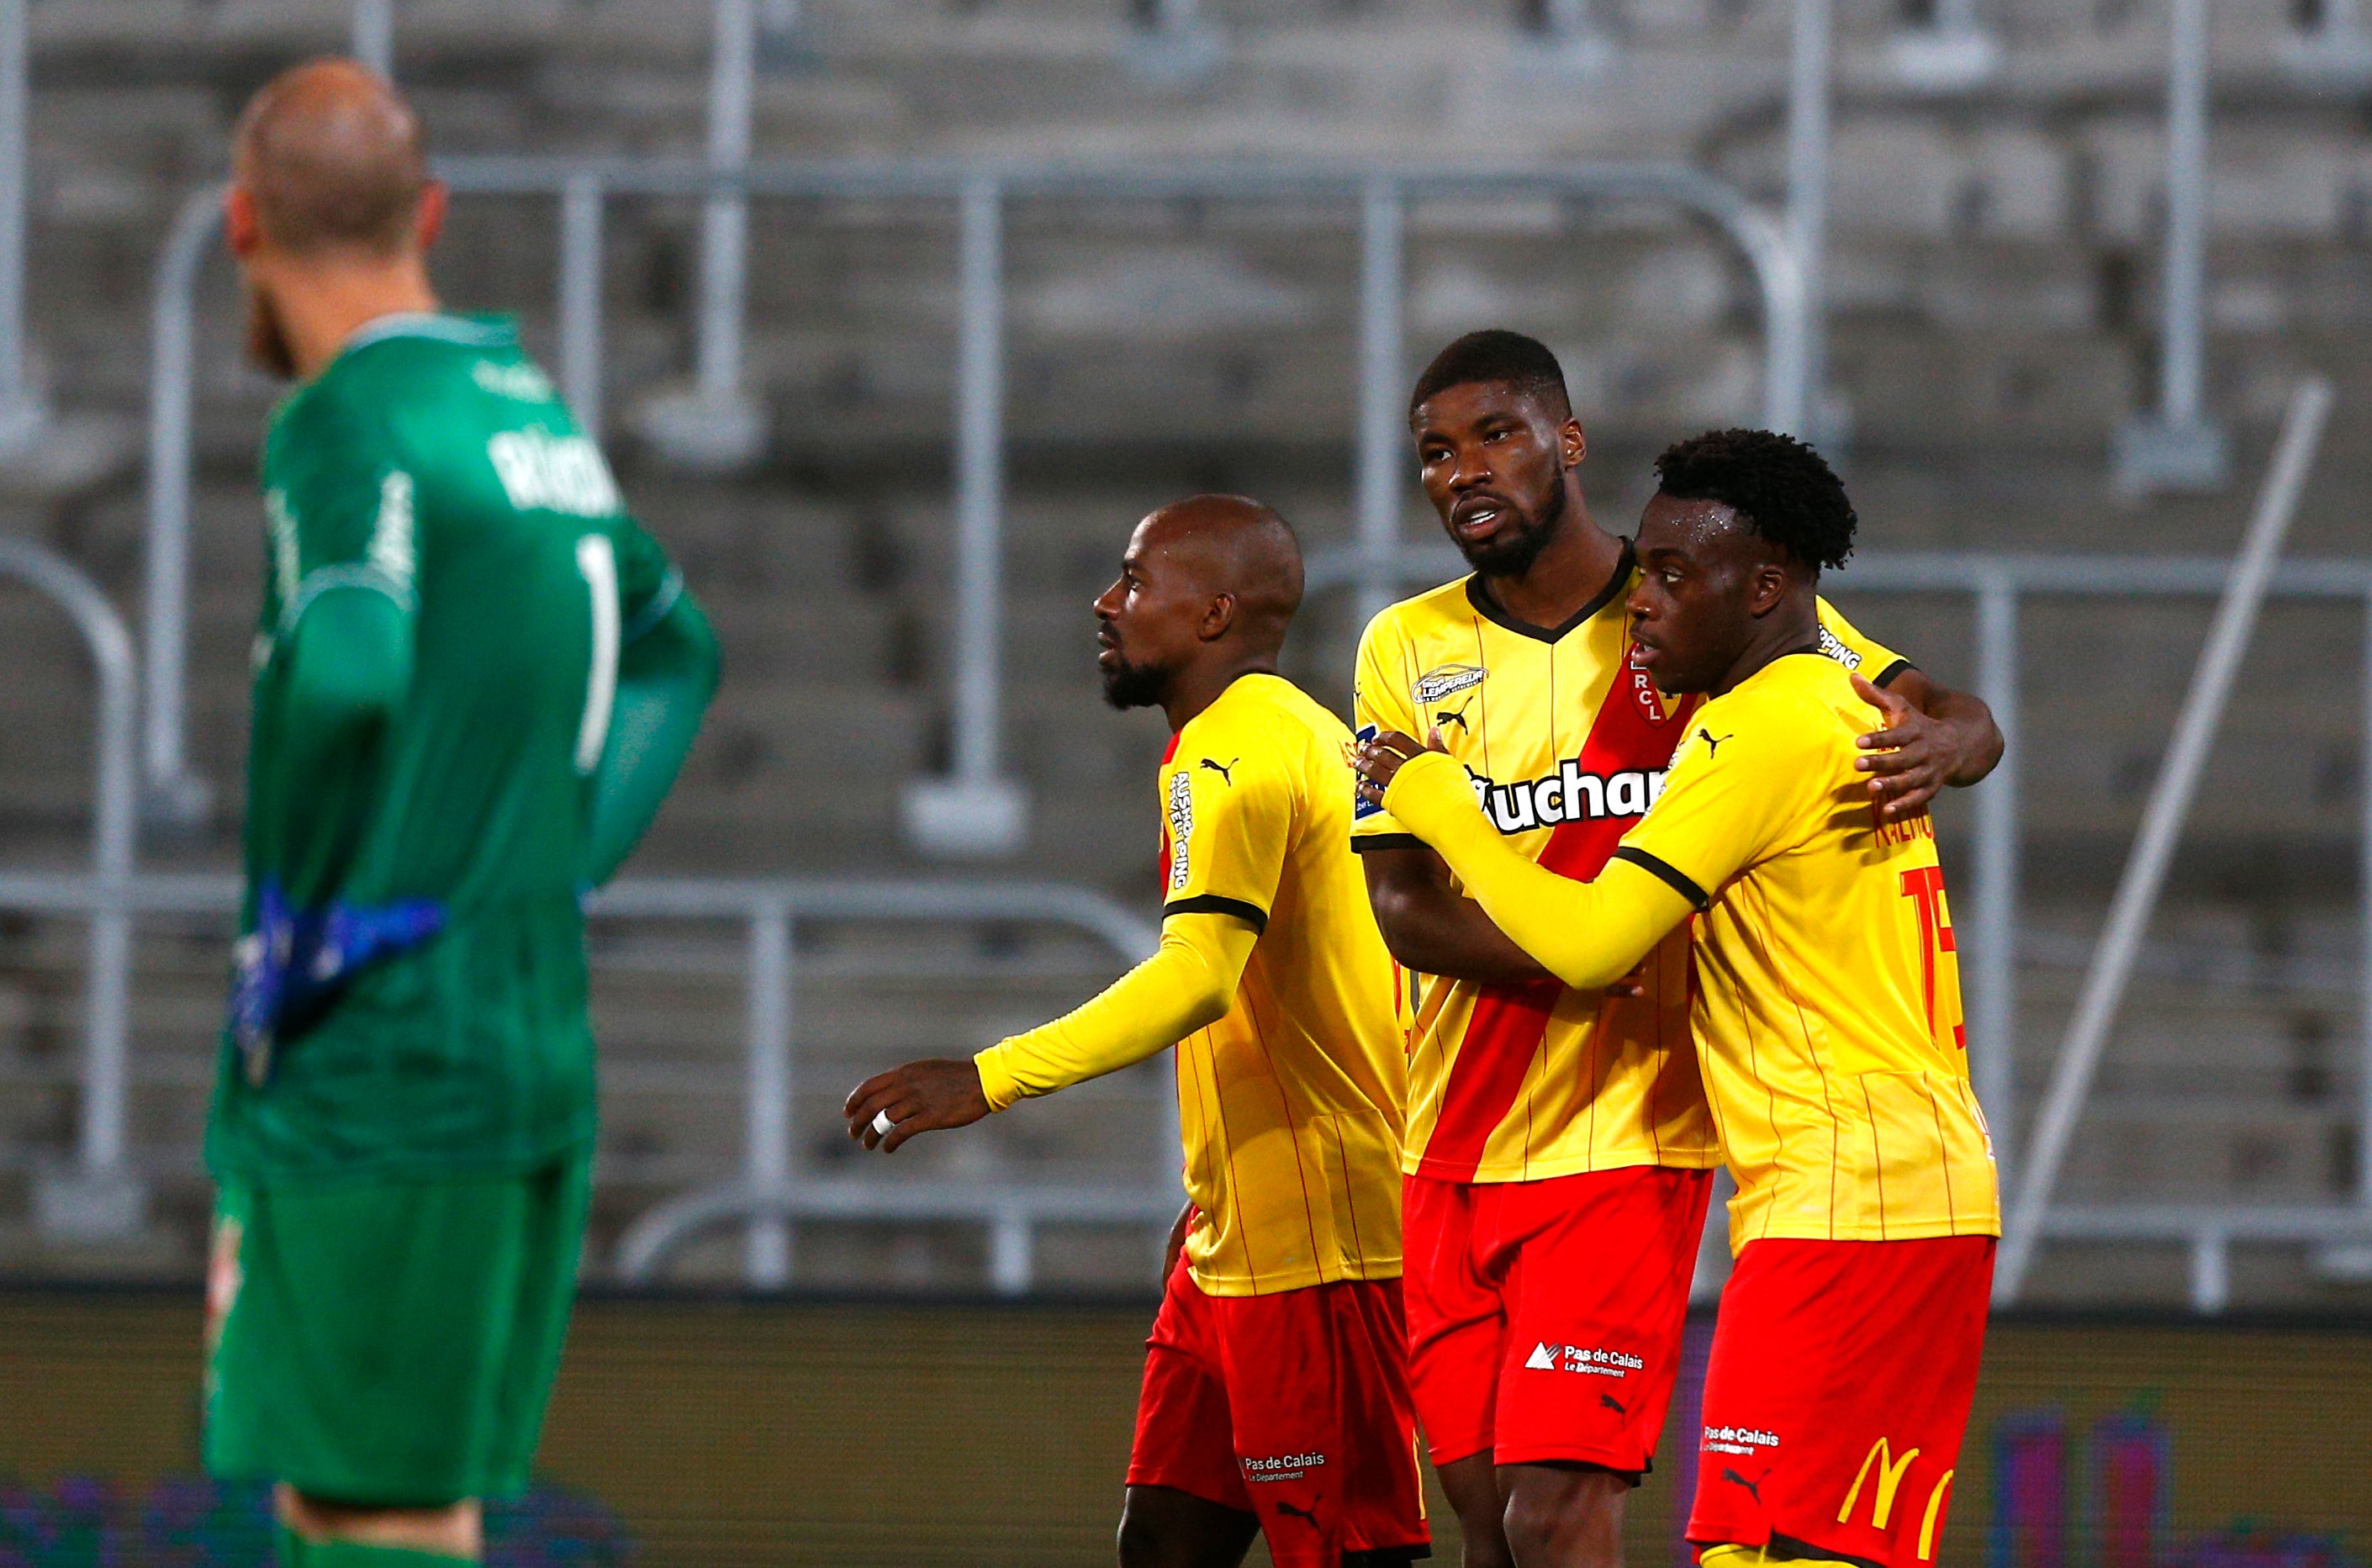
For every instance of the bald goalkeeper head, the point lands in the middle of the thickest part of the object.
(331, 211)
(1205, 595)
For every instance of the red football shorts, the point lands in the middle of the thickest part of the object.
(1836, 1394)
(1292, 1407)
(1546, 1317)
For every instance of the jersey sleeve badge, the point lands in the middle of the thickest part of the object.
(1182, 827)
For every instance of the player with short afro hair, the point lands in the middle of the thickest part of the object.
(1778, 486)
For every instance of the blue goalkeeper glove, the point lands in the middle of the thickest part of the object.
(294, 964)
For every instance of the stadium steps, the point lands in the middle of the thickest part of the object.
(1994, 321)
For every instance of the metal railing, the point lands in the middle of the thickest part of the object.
(1999, 584)
(773, 1189)
(21, 414)
(2161, 827)
(2177, 446)
(97, 1195)
(769, 1194)
(981, 193)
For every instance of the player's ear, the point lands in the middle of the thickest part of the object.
(1766, 589)
(242, 226)
(1572, 444)
(1218, 616)
(428, 219)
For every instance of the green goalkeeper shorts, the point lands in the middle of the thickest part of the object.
(389, 1345)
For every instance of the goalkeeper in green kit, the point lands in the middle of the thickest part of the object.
(475, 678)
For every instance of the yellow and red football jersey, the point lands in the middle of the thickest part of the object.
(1568, 741)
(1828, 1005)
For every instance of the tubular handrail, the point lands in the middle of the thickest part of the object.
(1997, 581)
(172, 362)
(1009, 1211)
(770, 1192)
(982, 188)
(1923, 571)
(114, 846)
(2161, 827)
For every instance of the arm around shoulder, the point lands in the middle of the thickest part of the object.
(1587, 935)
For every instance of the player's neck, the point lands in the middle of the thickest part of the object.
(1565, 577)
(323, 304)
(1792, 628)
(1195, 688)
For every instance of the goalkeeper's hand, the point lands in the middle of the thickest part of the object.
(293, 965)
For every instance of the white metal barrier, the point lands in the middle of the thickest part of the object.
(977, 798)
(97, 1196)
(770, 1196)
(1998, 583)
(2161, 827)
(773, 1189)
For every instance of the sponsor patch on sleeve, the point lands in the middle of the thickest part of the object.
(1182, 827)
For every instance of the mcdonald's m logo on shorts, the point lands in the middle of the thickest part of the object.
(1888, 1473)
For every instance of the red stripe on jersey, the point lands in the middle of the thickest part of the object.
(1635, 729)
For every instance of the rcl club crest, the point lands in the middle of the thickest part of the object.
(1643, 688)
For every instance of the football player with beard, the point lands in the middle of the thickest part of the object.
(1275, 1397)
(1559, 1151)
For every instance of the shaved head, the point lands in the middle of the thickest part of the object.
(1206, 591)
(332, 160)
(1238, 546)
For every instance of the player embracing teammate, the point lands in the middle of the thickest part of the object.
(1826, 1013)
(1560, 1145)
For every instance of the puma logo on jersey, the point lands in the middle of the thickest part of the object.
(1456, 717)
(1711, 744)
(1754, 1488)
(1309, 1512)
(1567, 796)
(1224, 769)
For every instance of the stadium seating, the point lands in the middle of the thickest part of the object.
(1994, 322)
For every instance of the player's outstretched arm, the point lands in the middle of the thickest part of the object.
(1931, 737)
(665, 677)
(1188, 984)
(1589, 934)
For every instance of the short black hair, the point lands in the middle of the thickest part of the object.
(1778, 486)
(1498, 355)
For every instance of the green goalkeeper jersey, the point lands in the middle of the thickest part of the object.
(433, 464)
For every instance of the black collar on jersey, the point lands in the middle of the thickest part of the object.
(1483, 605)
